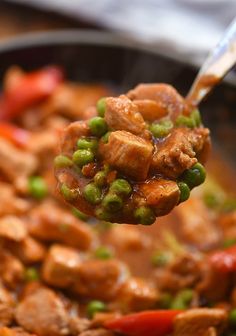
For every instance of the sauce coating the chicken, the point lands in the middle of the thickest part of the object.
(137, 159)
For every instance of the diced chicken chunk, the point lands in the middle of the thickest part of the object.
(168, 99)
(97, 332)
(6, 307)
(43, 313)
(73, 101)
(137, 294)
(195, 223)
(100, 279)
(195, 322)
(14, 163)
(150, 109)
(128, 153)
(11, 269)
(178, 151)
(227, 223)
(15, 331)
(48, 222)
(184, 272)
(9, 202)
(161, 194)
(12, 228)
(127, 237)
(29, 250)
(123, 115)
(71, 134)
(61, 266)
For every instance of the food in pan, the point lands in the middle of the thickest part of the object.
(62, 273)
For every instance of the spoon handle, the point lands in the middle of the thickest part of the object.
(217, 65)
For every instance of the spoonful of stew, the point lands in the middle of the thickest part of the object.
(141, 155)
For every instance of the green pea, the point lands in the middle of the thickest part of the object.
(87, 143)
(62, 161)
(100, 179)
(105, 137)
(31, 274)
(95, 307)
(92, 193)
(185, 121)
(101, 107)
(98, 126)
(211, 200)
(68, 194)
(229, 242)
(184, 191)
(196, 117)
(165, 301)
(162, 129)
(228, 205)
(112, 202)
(82, 157)
(37, 187)
(102, 214)
(121, 187)
(182, 299)
(194, 176)
(161, 259)
(79, 214)
(232, 317)
(144, 215)
(103, 252)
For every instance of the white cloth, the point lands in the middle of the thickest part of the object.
(186, 29)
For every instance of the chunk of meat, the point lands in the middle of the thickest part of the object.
(15, 331)
(48, 222)
(195, 322)
(73, 101)
(100, 279)
(11, 269)
(13, 228)
(6, 307)
(183, 272)
(44, 314)
(150, 109)
(9, 202)
(227, 223)
(208, 287)
(97, 332)
(127, 237)
(123, 115)
(178, 151)
(169, 101)
(16, 164)
(29, 251)
(44, 145)
(196, 223)
(61, 266)
(71, 134)
(161, 194)
(137, 294)
(128, 153)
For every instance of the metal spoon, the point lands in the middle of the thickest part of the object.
(219, 62)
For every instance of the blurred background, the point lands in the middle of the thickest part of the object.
(181, 29)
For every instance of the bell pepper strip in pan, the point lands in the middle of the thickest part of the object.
(151, 323)
(31, 89)
(224, 260)
(16, 135)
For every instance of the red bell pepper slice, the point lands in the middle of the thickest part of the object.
(224, 260)
(30, 89)
(147, 323)
(18, 136)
